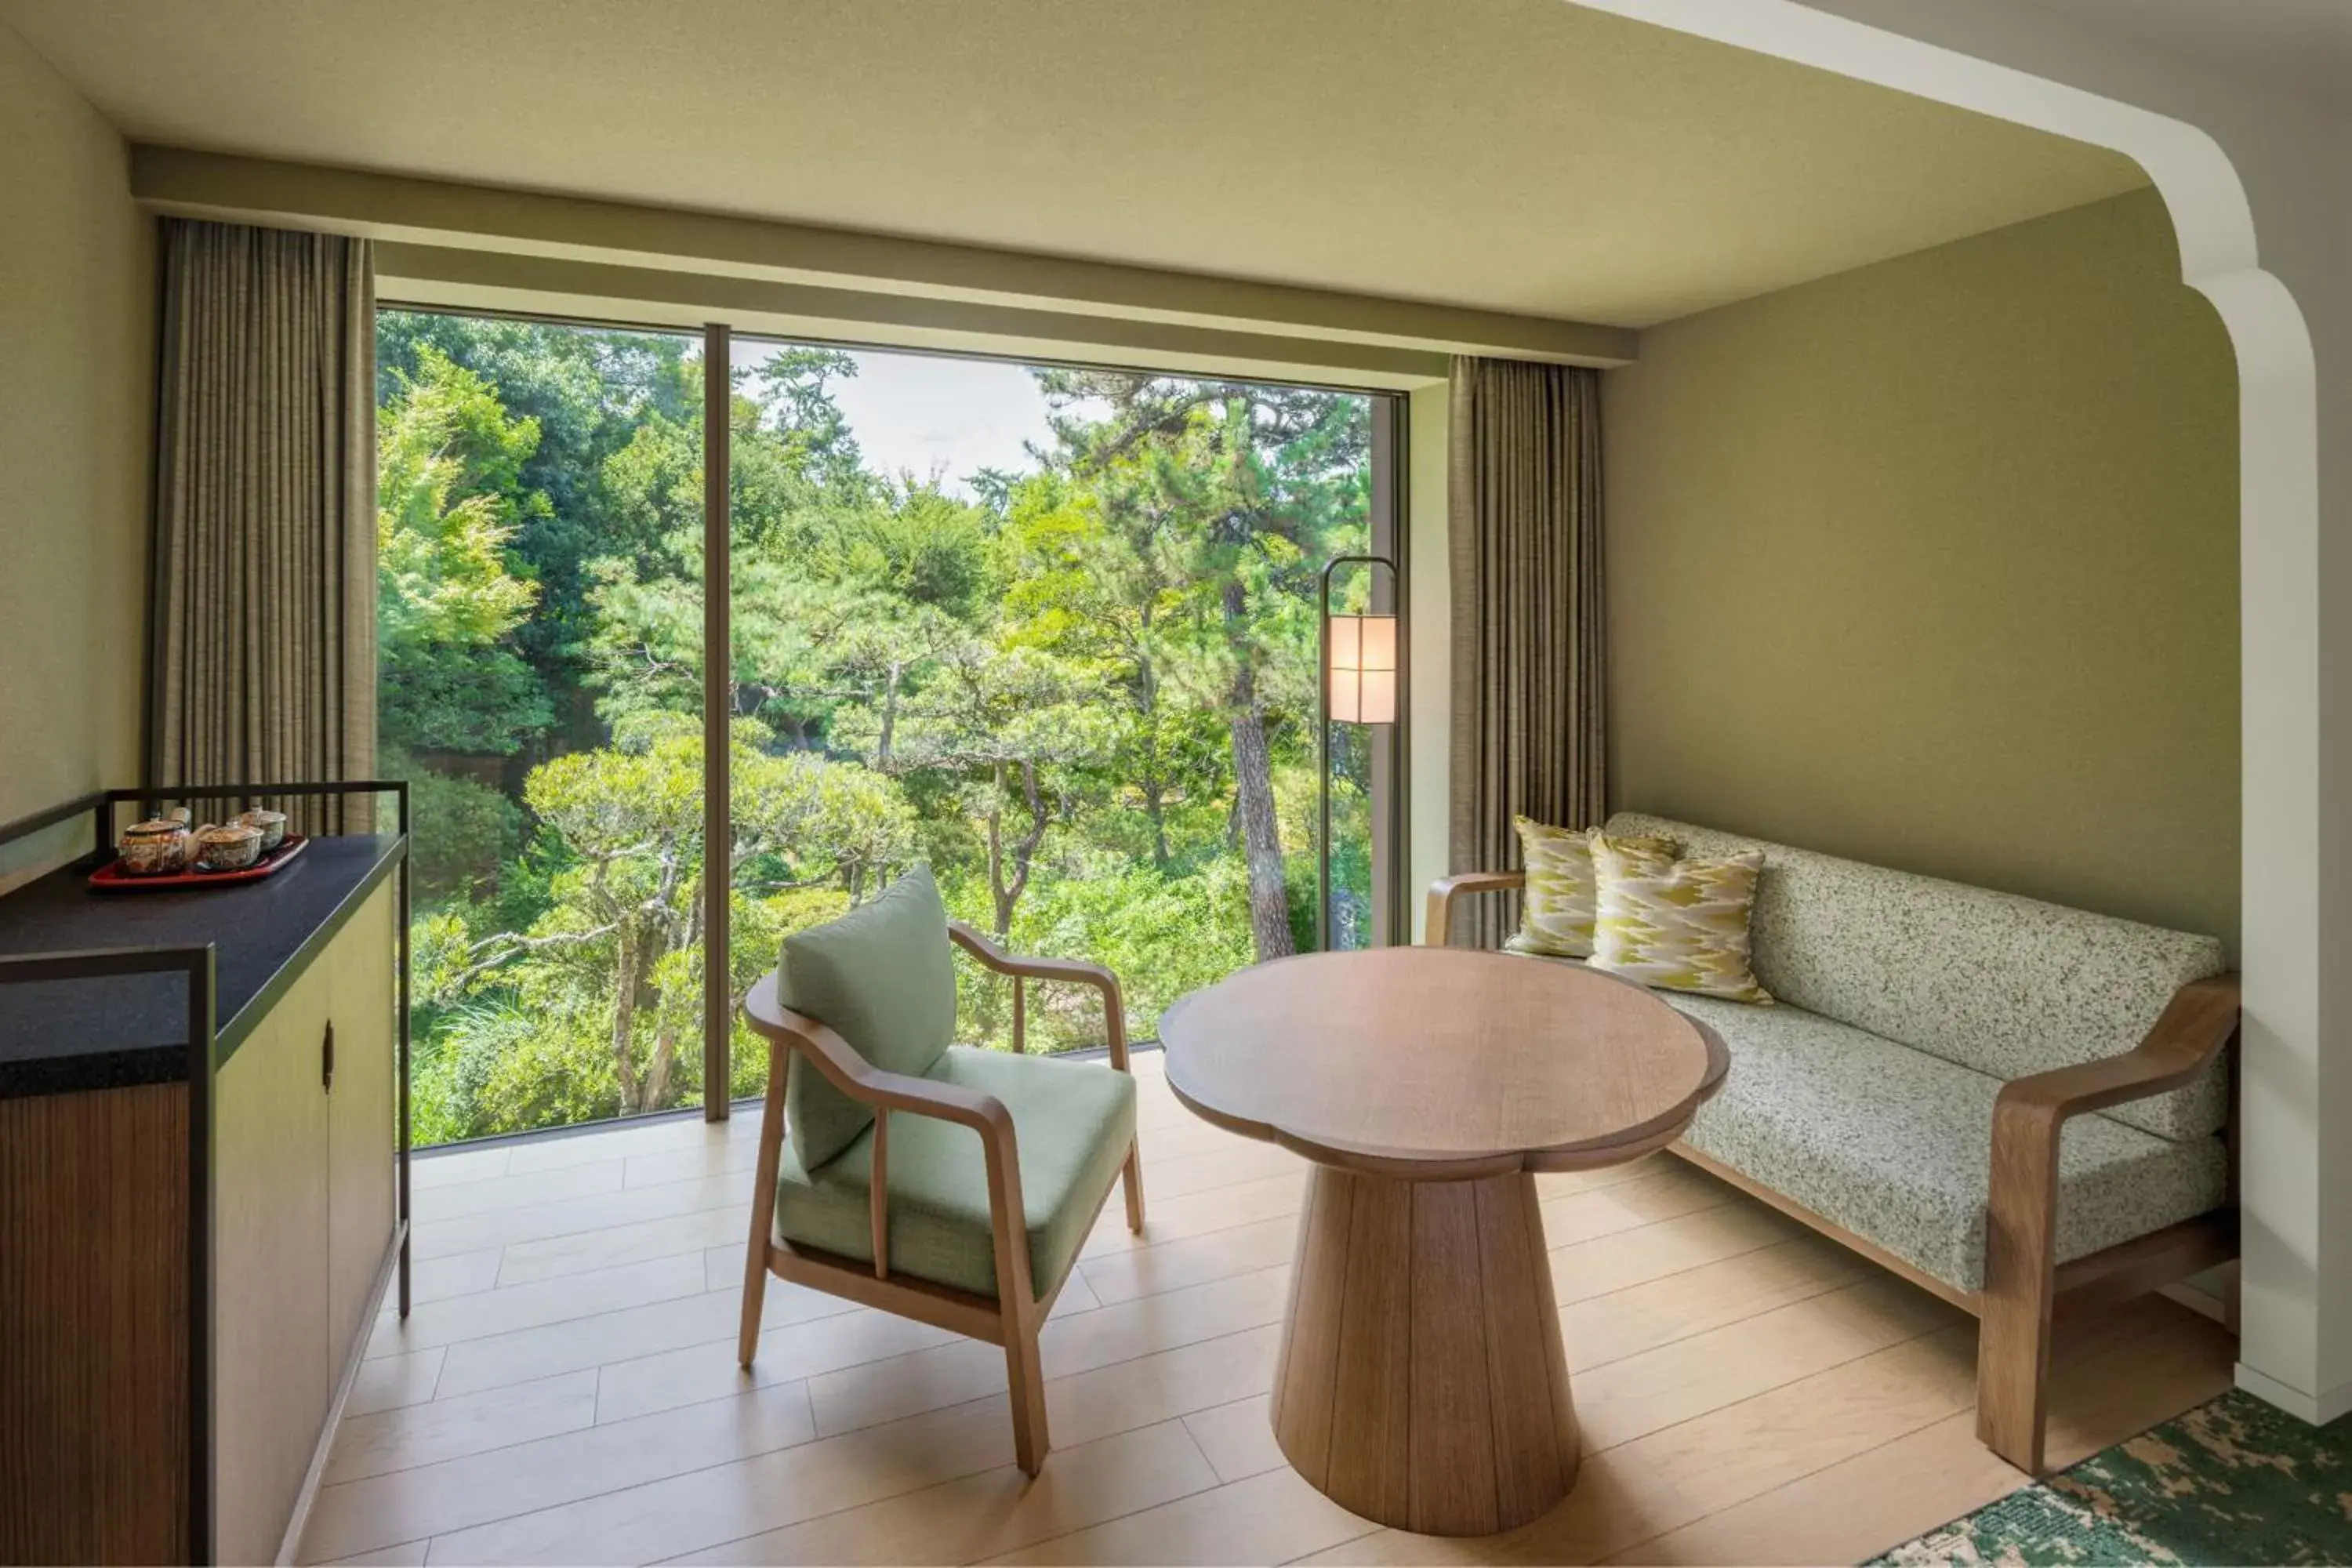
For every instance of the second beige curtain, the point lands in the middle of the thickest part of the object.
(1524, 527)
(263, 654)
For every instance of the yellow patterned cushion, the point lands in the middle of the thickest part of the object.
(1681, 926)
(1556, 913)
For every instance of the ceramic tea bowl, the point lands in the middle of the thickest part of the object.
(272, 824)
(231, 847)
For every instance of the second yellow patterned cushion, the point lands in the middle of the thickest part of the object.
(1679, 927)
(1555, 912)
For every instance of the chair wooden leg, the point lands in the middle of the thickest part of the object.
(763, 1204)
(755, 1296)
(1131, 1178)
(1024, 1375)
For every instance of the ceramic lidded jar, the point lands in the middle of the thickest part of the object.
(231, 847)
(272, 824)
(156, 847)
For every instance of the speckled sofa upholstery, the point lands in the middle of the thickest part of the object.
(1925, 1032)
(1903, 1003)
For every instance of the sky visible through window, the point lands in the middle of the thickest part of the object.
(924, 414)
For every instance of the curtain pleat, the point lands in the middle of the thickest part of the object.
(264, 590)
(1524, 530)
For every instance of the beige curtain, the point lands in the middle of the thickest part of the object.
(264, 589)
(1524, 529)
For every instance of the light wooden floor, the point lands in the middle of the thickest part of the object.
(566, 1389)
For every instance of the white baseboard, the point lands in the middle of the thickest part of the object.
(2203, 1303)
(2317, 1409)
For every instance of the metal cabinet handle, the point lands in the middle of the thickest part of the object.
(327, 1059)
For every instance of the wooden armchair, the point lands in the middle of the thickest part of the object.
(948, 1233)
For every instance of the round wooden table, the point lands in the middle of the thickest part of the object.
(1422, 1381)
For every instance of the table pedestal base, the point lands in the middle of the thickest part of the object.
(1422, 1381)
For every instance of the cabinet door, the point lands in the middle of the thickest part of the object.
(269, 1279)
(362, 1110)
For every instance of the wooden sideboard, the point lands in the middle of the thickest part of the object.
(194, 1234)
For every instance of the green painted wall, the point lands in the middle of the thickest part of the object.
(76, 387)
(1934, 564)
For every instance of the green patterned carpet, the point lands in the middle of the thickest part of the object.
(2233, 1481)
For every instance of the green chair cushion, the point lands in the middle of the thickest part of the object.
(883, 978)
(1073, 1121)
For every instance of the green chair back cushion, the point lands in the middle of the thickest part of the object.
(883, 978)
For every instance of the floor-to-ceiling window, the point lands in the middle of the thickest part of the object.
(1051, 631)
(538, 603)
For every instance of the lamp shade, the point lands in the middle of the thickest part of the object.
(1362, 673)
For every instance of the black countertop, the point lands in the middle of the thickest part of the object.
(60, 1036)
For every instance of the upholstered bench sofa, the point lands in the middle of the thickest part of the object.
(2020, 1107)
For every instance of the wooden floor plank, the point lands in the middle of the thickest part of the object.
(1177, 1263)
(387, 1383)
(447, 1168)
(688, 1321)
(1851, 1510)
(718, 1157)
(789, 1351)
(412, 1434)
(1609, 1263)
(994, 1511)
(1661, 1192)
(1238, 1438)
(1602, 1328)
(960, 1370)
(495, 1193)
(612, 1246)
(454, 1273)
(1270, 1518)
(436, 1499)
(1198, 1214)
(569, 1216)
(483, 1313)
(1228, 1165)
(690, 1511)
(1629, 1398)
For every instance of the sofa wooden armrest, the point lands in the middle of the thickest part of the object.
(1065, 971)
(1438, 927)
(2022, 1204)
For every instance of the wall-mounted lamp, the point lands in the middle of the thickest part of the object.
(1363, 658)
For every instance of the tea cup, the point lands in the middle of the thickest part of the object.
(271, 823)
(229, 846)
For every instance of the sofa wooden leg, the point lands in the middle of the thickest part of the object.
(2013, 1380)
(1130, 1177)
(2021, 1271)
(1024, 1374)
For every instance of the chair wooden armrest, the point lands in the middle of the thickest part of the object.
(2021, 1204)
(1442, 892)
(1065, 971)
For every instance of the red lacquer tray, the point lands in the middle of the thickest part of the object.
(111, 878)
